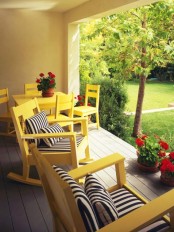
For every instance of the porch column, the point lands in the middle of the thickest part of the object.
(73, 56)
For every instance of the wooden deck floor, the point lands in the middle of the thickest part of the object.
(24, 207)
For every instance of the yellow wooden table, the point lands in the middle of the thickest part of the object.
(44, 102)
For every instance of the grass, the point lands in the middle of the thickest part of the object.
(157, 95)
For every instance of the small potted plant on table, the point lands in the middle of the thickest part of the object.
(46, 84)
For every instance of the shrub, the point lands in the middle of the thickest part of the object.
(113, 99)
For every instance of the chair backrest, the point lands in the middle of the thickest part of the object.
(31, 88)
(65, 102)
(4, 98)
(65, 213)
(92, 91)
(19, 115)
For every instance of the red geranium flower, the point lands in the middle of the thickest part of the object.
(164, 145)
(37, 80)
(171, 155)
(52, 81)
(52, 75)
(41, 75)
(161, 153)
(139, 142)
(144, 137)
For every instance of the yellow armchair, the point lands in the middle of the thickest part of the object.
(64, 208)
(63, 147)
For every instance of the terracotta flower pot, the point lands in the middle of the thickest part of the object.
(167, 179)
(145, 168)
(48, 93)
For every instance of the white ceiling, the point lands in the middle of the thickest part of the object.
(54, 5)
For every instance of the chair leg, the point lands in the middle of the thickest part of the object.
(9, 130)
(97, 120)
(87, 158)
(20, 178)
(24, 178)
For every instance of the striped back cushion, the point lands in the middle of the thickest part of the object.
(35, 123)
(82, 201)
(55, 128)
(101, 201)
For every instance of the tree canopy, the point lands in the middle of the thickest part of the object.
(129, 44)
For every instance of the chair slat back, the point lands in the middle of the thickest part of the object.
(22, 112)
(65, 102)
(92, 91)
(61, 200)
(31, 88)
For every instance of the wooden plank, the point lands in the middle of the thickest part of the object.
(25, 208)
(33, 212)
(15, 205)
(5, 216)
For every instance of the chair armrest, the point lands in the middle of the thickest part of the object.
(144, 215)
(114, 159)
(48, 135)
(80, 119)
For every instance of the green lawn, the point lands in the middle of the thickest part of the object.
(157, 95)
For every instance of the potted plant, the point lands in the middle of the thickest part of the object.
(150, 150)
(46, 84)
(167, 169)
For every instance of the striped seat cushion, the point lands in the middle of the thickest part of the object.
(125, 202)
(35, 123)
(82, 201)
(55, 128)
(62, 145)
(101, 201)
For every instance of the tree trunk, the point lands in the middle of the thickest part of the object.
(138, 114)
(139, 107)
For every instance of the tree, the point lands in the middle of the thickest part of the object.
(131, 44)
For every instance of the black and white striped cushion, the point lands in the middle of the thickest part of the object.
(101, 201)
(62, 145)
(82, 201)
(125, 202)
(55, 128)
(35, 123)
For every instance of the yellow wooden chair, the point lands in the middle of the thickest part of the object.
(64, 110)
(6, 116)
(134, 212)
(93, 92)
(31, 89)
(68, 150)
